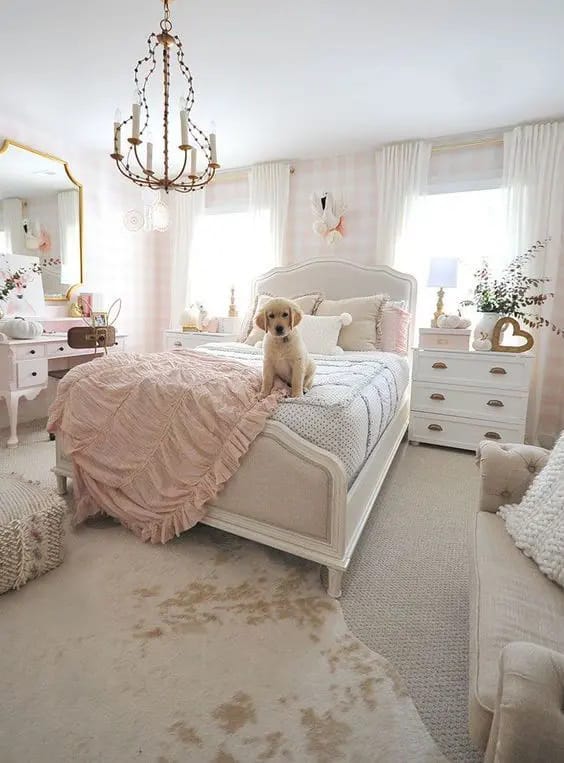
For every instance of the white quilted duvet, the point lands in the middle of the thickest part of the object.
(354, 397)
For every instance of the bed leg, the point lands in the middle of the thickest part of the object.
(61, 484)
(334, 580)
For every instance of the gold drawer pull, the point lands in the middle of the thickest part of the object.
(437, 396)
(435, 427)
(493, 435)
(497, 370)
(495, 403)
(439, 364)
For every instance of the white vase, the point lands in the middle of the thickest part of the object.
(483, 330)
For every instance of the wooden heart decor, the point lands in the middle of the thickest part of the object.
(499, 328)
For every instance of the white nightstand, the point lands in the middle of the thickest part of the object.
(459, 398)
(175, 339)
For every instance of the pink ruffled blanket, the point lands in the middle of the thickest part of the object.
(152, 438)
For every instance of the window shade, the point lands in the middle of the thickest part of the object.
(473, 168)
(228, 194)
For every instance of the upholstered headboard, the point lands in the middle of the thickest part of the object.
(338, 279)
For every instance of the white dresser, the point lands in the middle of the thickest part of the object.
(461, 397)
(25, 363)
(176, 339)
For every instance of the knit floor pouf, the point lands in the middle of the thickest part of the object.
(31, 531)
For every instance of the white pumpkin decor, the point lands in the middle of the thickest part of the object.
(452, 322)
(20, 328)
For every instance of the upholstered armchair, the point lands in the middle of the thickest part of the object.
(517, 625)
(506, 471)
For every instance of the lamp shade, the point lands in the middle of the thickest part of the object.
(443, 271)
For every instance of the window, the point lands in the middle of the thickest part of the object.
(469, 226)
(222, 257)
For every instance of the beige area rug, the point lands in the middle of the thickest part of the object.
(210, 648)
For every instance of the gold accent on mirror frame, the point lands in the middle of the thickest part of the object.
(3, 148)
(517, 331)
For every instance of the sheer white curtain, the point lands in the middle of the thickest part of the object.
(269, 194)
(188, 209)
(69, 236)
(402, 170)
(12, 226)
(534, 183)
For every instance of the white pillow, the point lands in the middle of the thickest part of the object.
(362, 332)
(321, 333)
(537, 523)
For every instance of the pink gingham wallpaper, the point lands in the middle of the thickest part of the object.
(552, 397)
(351, 177)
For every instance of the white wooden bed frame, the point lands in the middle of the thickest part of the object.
(290, 494)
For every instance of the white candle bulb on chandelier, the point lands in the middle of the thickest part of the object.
(136, 114)
(117, 132)
(193, 163)
(213, 143)
(184, 123)
(149, 151)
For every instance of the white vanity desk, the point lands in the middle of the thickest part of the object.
(24, 364)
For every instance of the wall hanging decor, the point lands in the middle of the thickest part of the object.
(328, 220)
(193, 143)
(498, 331)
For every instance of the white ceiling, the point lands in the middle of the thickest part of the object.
(292, 78)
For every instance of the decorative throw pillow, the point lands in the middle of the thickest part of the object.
(362, 334)
(252, 334)
(537, 523)
(321, 332)
(394, 332)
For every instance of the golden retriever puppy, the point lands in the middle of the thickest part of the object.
(285, 353)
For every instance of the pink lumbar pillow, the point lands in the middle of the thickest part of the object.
(394, 328)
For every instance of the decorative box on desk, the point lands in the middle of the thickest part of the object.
(176, 338)
(460, 398)
(444, 339)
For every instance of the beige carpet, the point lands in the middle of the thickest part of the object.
(210, 648)
(406, 592)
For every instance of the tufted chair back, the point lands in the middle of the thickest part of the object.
(506, 472)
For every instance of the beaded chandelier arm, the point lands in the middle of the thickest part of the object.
(131, 165)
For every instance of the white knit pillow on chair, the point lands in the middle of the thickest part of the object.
(321, 332)
(537, 523)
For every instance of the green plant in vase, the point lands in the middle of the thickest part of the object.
(512, 294)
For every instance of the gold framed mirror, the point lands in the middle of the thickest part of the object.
(41, 215)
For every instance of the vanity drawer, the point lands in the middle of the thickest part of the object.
(473, 368)
(475, 402)
(29, 351)
(457, 432)
(59, 349)
(32, 372)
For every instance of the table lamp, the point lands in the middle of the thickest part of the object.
(443, 274)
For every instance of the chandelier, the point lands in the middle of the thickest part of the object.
(193, 141)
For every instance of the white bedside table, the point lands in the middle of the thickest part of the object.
(190, 339)
(461, 397)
